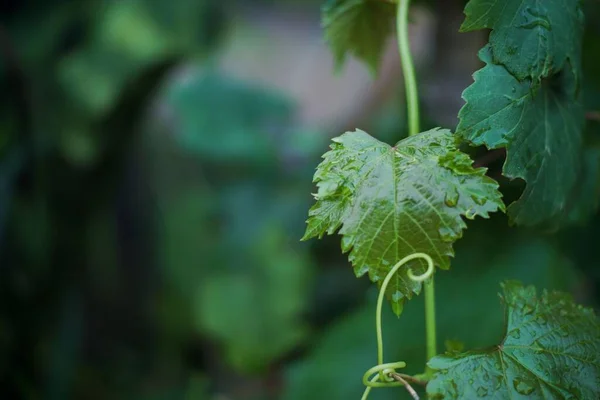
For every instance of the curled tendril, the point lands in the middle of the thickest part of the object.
(381, 374)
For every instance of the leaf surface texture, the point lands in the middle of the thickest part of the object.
(390, 202)
(551, 350)
(540, 125)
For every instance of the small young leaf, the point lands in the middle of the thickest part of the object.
(531, 38)
(359, 27)
(539, 123)
(551, 350)
(391, 202)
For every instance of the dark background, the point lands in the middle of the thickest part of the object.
(156, 160)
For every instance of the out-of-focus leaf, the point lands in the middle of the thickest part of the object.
(358, 27)
(391, 202)
(255, 313)
(189, 239)
(128, 37)
(586, 196)
(539, 123)
(220, 118)
(532, 39)
(551, 350)
(489, 252)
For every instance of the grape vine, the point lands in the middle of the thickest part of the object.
(400, 208)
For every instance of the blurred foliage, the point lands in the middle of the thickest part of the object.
(151, 208)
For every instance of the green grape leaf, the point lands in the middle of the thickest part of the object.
(540, 125)
(531, 38)
(391, 202)
(358, 27)
(551, 350)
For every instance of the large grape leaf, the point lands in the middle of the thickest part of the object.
(551, 350)
(358, 27)
(391, 202)
(531, 38)
(540, 125)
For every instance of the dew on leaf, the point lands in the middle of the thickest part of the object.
(534, 18)
(480, 200)
(447, 234)
(451, 198)
(523, 387)
(515, 334)
(527, 309)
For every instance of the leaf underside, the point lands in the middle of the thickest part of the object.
(539, 123)
(551, 350)
(390, 202)
(358, 27)
(533, 39)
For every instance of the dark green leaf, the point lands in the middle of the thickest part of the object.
(466, 310)
(358, 27)
(391, 202)
(551, 350)
(531, 38)
(540, 125)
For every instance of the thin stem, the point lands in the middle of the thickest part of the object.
(386, 281)
(408, 68)
(412, 100)
(409, 388)
(430, 323)
(382, 375)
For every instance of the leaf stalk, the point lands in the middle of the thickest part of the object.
(408, 68)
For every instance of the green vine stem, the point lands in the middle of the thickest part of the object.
(412, 100)
(408, 68)
(383, 375)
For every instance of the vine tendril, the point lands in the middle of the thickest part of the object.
(381, 375)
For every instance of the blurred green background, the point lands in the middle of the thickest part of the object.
(156, 159)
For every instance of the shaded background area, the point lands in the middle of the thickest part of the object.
(156, 160)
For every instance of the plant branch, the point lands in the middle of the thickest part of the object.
(430, 327)
(412, 100)
(408, 68)
(409, 388)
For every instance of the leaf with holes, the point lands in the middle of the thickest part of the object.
(391, 202)
(531, 38)
(358, 27)
(540, 125)
(551, 350)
